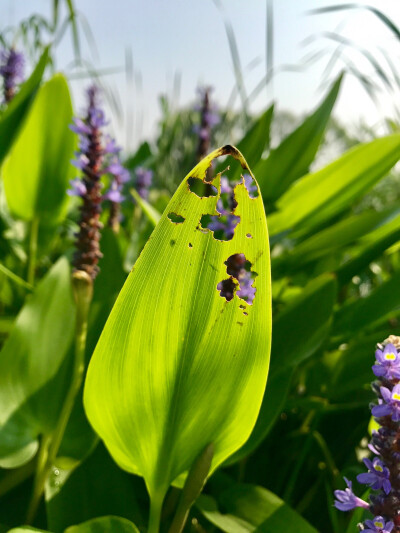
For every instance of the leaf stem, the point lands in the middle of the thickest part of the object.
(33, 240)
(83, 291)
(156, 503)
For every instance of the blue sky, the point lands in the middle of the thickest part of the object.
(186, 40)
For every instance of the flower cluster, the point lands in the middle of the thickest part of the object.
(208, 119)
(12, 71)
(97, 155)
(383, 473)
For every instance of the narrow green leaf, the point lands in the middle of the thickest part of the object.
(357, 315)
(16, 112)
(255, 141)
(248, 508)
(369, 248)
(319, 196)
(173, 345)
(333, 238)
(34, 367)
(151, 212)
(104, 524)
(292, 158)
(38, 168)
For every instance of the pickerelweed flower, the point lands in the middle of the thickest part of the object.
(12, 71)
(383, 474)
(97, 155)
(209, 118)
(144, 178)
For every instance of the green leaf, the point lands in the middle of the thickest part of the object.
(255, 141)
(333, 238)
(34, 367)
(248, 508)
(105, 524)
(27, 528)
(38, 168)
(96, 487)
(16, 112)
(355, 316)
(151, 212)
(319, 196)
(292, 158)
(368, 249)
(298, 333)
(173, 345)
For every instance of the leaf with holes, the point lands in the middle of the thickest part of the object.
(183, 359)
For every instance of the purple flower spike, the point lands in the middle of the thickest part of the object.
(12, 71)
(208, 119)
(390, 405)
(377, 476)
(346, 500)
(387, 363)
(378, 525)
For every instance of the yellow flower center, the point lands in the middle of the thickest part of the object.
(378, 524)
(396, 396)
(378, 468)
(390, 357)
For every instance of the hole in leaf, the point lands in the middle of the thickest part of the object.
(249, 235)
(250, 185)
(190, 245)
(239, 268)
(223, 226)
(200, 188)
(227, 288)
(176, 219)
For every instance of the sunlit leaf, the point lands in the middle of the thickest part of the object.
(249, 508)
(104, 524)
(38, 168)
(34, 367)
(16, 112)
(173, 345)
(319, 196)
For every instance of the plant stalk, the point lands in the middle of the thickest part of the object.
(32, 254)
(83, 292)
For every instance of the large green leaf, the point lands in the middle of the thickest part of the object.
(38, 168)
(104, 524)
(249, 508)
(298, 332)
(319, 196)
(292, 158)
(173, 346)
(16, 112)
(34, 367)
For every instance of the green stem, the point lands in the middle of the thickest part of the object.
(33, 240)
(83, 291)
(156, 504)
(40, 478)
